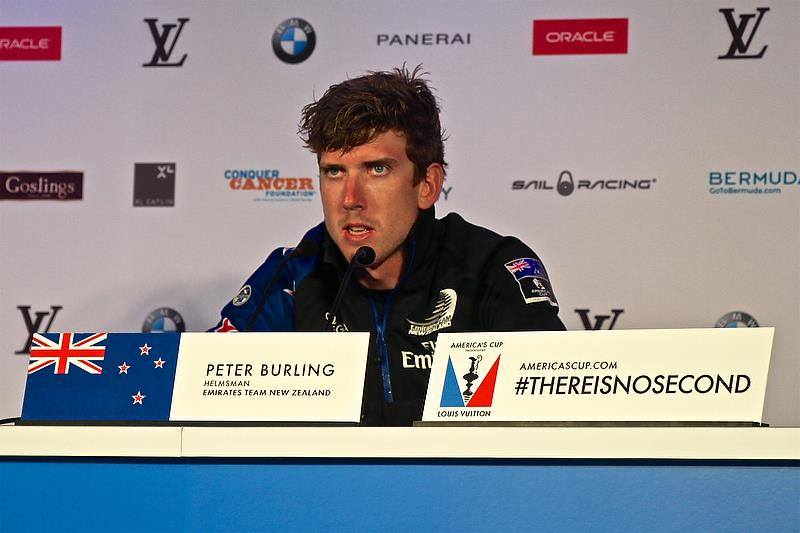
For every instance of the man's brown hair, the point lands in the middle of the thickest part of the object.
(355, 111)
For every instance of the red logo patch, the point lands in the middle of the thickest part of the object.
(580, 36)
(34, 43)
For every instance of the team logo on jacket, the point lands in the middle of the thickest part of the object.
(242, 296)
(532, 280)
(475, 388)
(441, 317)
(335, 323)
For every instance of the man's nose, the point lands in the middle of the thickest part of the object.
(353, 192)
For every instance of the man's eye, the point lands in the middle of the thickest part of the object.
(333, 172)
(380, 169)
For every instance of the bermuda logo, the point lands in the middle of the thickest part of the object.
(474, 377)
(441, 317)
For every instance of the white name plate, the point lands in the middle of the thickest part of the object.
(700, 375)
(270, 377)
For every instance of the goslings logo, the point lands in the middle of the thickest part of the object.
(424, 39)
(741, 42)
(154, 184)
(41, 185)
(30, 43)
(165, 46)
(441, 317)
(163, 319)
(474, 375)
(566, 184)
(275, 187)
(736, 319)
(752, 182)
(580, 36)
(293, 40)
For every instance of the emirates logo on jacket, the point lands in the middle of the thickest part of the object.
(441, 317)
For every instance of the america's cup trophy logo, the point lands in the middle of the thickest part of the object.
(471, 376)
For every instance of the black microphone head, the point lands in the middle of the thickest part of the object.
(306, 248)
(364, 256)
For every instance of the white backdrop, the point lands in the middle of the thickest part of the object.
(667, 113)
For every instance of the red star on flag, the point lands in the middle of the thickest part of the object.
(159, 363)
(145, 349)
(123, 368)
(138, 398)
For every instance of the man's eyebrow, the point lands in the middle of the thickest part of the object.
(382, 161)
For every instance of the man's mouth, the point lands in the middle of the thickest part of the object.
(357, 229)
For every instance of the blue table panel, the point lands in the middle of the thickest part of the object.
(192, 495)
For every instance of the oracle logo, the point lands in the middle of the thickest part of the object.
(30, 43)
(580, 36)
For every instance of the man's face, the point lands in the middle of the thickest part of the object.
(369, 199)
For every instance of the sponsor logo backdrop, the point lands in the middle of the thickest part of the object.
(648, 154)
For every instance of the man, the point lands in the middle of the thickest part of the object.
(379, 145)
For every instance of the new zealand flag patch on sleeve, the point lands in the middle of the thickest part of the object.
(532, 280)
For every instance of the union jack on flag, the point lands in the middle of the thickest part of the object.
(517, 265)
(66, 351)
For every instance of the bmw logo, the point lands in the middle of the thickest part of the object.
(737, 319)
(293, 40)
(163, 319)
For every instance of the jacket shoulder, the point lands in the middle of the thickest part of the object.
(463, 238)
(276, 313)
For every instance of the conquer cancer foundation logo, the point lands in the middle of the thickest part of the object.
(478, 384)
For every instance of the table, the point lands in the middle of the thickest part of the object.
(102, 478)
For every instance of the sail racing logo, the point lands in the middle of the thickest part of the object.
(473, 389)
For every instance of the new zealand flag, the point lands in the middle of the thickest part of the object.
(101, 376)
(532, 280)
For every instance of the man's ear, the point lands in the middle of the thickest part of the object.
(431, 186)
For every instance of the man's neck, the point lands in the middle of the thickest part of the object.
(385, 276)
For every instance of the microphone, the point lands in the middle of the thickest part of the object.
(306, 248)
(363, 257)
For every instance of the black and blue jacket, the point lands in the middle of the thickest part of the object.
(459, 277)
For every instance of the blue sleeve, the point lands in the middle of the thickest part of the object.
(278, 311)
